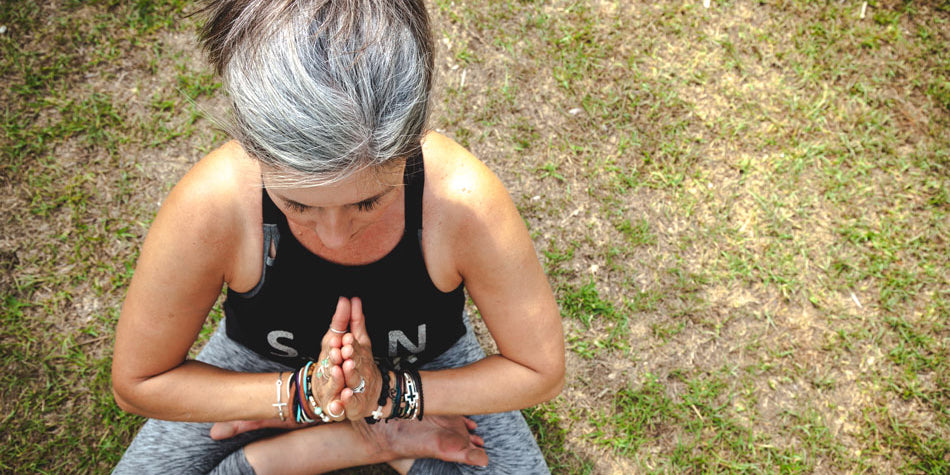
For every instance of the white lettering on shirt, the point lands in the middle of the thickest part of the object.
(397, 337)
(281, 349)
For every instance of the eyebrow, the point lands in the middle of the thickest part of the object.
(297, 204)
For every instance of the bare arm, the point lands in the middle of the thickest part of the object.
(497, 261)
(193, 247)
(487, 245)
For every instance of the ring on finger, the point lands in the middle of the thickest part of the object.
(338, 332)
(323, 372)
(361, 387)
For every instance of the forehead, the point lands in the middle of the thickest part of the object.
(359, 186)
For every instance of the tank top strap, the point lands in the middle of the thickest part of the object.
(414, 179)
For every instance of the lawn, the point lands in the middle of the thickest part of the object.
(743, 209)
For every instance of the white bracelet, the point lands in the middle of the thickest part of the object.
(280, 405)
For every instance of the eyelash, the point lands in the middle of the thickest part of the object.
(364, 206)
(367, 205)
(297, 207)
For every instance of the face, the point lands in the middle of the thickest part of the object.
(339, 212)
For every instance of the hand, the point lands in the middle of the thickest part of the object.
(449, 438)
(226, 430)
(358, 366)
(328, 380)
(325, 389)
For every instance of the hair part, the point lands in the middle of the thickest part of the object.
(323, 88)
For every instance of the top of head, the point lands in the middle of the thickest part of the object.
(321, 88)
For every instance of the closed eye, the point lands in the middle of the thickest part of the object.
(368, 205)
(297, 207)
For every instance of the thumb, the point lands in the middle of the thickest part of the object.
(358, 322)
(226, 430)
(223, 430)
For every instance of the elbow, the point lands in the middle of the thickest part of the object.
(123, 394)
(120, 394)
(121, 401)
(554, 383)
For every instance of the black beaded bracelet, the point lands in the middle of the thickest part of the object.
(383, 396)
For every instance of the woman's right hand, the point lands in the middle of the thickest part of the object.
(325, 389)
(328, 380)
(359, 368)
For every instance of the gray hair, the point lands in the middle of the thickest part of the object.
(322, 88)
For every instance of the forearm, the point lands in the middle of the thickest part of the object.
(314, 450)
(493, 384)
(198, 392)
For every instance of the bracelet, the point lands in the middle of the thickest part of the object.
(405, 394)
(280, 405)
(383, 395)
(294, 405)
(418, 377)
(309, 394)
(395, 394)
(301, 413)
(414, 394)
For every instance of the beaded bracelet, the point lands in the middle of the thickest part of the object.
(405, 394)
(313, 401)
(383, 395)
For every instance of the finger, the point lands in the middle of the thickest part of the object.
(476, 457)
(327, 389)
(358, 322)
(351, 376)
(476, 440)
(348, 351)
(346, 397)
(341, 317)
(470, 424)
(225, 430)
(336, 356)
(336, 410)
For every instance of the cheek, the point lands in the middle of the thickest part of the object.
(300, 219)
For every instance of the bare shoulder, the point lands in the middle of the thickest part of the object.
(210, 212)
(466, 203)
(458, 181)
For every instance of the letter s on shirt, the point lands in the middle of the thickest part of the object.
(280, 348)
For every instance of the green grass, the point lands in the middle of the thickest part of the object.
(743, 211)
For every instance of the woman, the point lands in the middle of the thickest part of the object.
(344, 234)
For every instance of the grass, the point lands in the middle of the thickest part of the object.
(743, 210)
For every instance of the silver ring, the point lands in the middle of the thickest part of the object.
(338, 332)
(362, 386)
(334, 415)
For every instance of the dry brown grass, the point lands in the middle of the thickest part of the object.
(743, 211)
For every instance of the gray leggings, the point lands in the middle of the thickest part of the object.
(163, 447)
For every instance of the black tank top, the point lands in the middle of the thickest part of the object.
(409, 320)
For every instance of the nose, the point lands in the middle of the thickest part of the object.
(333, 229)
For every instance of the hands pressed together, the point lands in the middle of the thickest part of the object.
(346, 384)
(351, 381)
(345, 380)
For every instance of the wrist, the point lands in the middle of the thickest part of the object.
(382, 401)
(388, 407)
